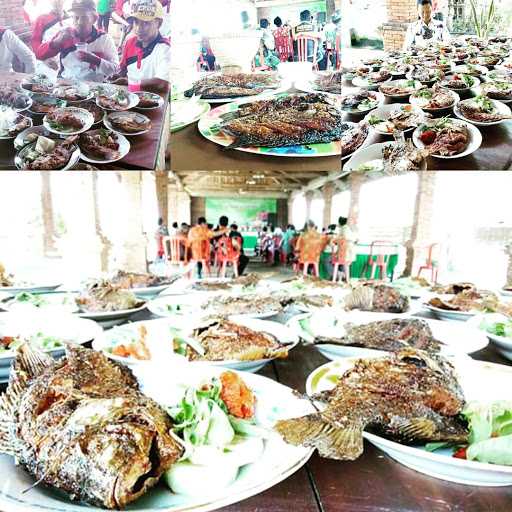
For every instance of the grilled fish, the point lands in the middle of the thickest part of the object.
(223, 340)
(81, 425)
(410, 396)
(377, 298)
(391, 335)
(286, 121)
(104, 295)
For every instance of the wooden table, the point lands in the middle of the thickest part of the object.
(147, 151)
(190, 151)
(494, 154)
(372, 483)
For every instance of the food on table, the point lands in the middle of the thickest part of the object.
(45, 105)
(64, 302)
(104, 295)
(328, 83)
(49, 154)
(426, 74)
(350, 73)
(390, 335)
(497, 324)
(481, 109)
(96, 111)
(360, 101)
(222, 340)
(129, 122)
(246, 281)
(39, 83)
(5, 278)
(231, 86)
(397, 68)
(250, 304)
(375, 62)
(435, 98)
(377, 297)
(119, 100)
(378, 77)
(465, 301)
(352, 137)
(71, 92)
(137, 280)
(400, 87)
(471, 69)
(100, 144)
(82, 426)
(64, 121)
(458, 82)
(453, 288)
(10, 97)
(148, 100)
(307, 300)
(286, 121)
(12, 122)
(498, 90)
(403, 117)
(445, 137)
(218, 424)
(402, 157)
(442, 64)
(39, 341)
(411, 396)
(485, 60)
(136, 348)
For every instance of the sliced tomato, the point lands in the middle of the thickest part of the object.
(428, 137)
(461, 453)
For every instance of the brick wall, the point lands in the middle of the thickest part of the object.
(11, 16)
(399, 14)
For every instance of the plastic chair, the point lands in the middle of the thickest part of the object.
(381, 259)
(430, 264)
(307, 264)
(204, 257)
(228, 254)
(175, 250)
(338, 259)
(283, 46)
(302, 49)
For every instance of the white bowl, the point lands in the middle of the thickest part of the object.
(417, 86)
(362, 82)
(475, 141)
(379, 98)
(501, 108)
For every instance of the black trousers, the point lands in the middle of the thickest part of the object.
(103, 21)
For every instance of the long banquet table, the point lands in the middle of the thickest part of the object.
(494, 154)
(372, 483)
(147, 151)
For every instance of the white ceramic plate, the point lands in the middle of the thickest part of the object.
(457, 338)
(154, 96)
(55, 302)
(384, 112)
(19, 118)
(379, 97)
(481, 90)
(39, 288)
(506, 293)
(124, 149)
(500, 107)
(84, 115)
(463, 68)
(444, 314)
(187, 111)
(480, 381)
(401, 83)
(68, 327)
(362, 82)
(278, 461)
(502, 344)
(110, 318)
(417, 102)
(369, 153)
(159, 338)
(120, 115)
(365, 142)
(133, 101)
(476, 83)
(475, 140)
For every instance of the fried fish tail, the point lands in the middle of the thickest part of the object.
(314, 431)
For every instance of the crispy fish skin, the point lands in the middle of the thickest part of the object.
(378, 297)
(81, 425)
(224, 340)
(411, 396)
(391, 335)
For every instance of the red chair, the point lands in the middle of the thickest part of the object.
(175, 250)
(204, 257)
(430, 264)
(380, 262)
(302, 49)
(227, 254)
(338, 258)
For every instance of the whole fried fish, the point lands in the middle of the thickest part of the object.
(378, 297)
(104, 295)
(391, 335)
(223, 340)
(410, 396)
(81, 425)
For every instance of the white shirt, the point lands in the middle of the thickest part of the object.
(421, 34)
(11, 45)
(154, 61)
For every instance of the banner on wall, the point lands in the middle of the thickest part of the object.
(244, 211)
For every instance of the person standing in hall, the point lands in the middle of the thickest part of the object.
(311, 243)
(104, 10)
(237, 238)
(197, 237)
(283, 40)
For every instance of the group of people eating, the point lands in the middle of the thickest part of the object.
(74, 44)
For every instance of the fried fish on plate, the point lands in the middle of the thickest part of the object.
(378, 297)
(223, 340)
(81, 425)
(411, 396)
(106, 296)
(390, 335)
